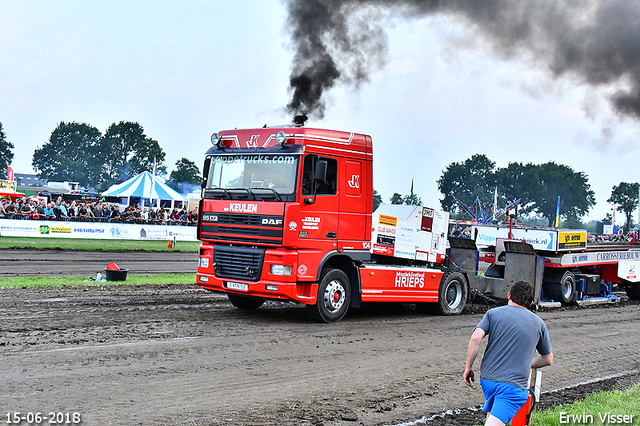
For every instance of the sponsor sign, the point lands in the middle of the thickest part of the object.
(629, 271)
(409, 279)
(427, 219)
(388, 220)
(571, 240)
(540, 239)
(310, 223)
(104, 231)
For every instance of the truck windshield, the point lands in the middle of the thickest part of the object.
(271, 172)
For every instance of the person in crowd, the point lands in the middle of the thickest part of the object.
(106, 213)
(153, 216)
(39, 211)
(193, 217)
(10, 210)
(96, 210)
(160, 217)
(82, 213)
(25, 210)
(48, 212)
(115, 214)
(64, 211)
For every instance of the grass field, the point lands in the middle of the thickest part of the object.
(90, 244)
(602, 408)
(23, 282)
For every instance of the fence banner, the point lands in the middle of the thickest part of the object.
(95, 230)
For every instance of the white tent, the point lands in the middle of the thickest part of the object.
(146, 189)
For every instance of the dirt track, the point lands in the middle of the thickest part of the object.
(177, 355)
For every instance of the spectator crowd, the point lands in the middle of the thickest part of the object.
(94, 211)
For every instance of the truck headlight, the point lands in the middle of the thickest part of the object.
(204, 262)
(281, 270)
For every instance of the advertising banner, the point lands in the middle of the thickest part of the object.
(91, 230)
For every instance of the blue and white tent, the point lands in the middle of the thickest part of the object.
(145, 186)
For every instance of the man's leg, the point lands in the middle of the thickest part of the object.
(493, 421)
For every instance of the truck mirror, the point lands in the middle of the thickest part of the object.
(321, 171)
(203, 184)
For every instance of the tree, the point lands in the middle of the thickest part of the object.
(71, 154)
(521, 182)
(576, 197)
(377, 200)
(185, 177)
(128, 151)
(396, 198)
(624, 197)
(6, 155)
(473, 179)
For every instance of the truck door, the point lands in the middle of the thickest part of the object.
(319, 204)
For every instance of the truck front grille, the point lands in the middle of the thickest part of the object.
(240, 263)
(231, 227)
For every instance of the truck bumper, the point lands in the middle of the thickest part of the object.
(278, 290)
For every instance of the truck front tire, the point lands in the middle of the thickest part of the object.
(334, 296)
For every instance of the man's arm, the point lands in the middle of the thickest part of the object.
(472, 353)
(540, 361)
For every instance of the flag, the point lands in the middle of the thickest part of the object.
(558, 213)
(9, 173)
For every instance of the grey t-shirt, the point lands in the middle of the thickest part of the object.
(514, 336)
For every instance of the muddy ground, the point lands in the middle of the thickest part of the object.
(178, 355)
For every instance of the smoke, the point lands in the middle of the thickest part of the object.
(594, 42)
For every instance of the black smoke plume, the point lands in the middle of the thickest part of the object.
(594, 42)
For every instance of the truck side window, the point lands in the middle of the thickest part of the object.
(326, 187)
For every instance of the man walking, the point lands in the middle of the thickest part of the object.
(515, 333)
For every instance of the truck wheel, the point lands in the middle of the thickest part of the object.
(334, 296)
(244, 302)
(452, 295)
(564, 290)
(633, 291)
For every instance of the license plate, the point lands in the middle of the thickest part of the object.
(237, 286)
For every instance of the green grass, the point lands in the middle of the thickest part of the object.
(593, 410)
(89, 244)
(22, 282)
(594, 406)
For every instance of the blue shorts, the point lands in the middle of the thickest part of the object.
(502, 400)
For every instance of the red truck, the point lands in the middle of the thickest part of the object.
(286, 214)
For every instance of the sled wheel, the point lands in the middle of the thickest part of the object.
(564, 290)
(633, 291)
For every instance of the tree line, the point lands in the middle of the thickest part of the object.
(79, 152)
(532, 189)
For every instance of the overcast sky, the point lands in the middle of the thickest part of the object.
(186, 69)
